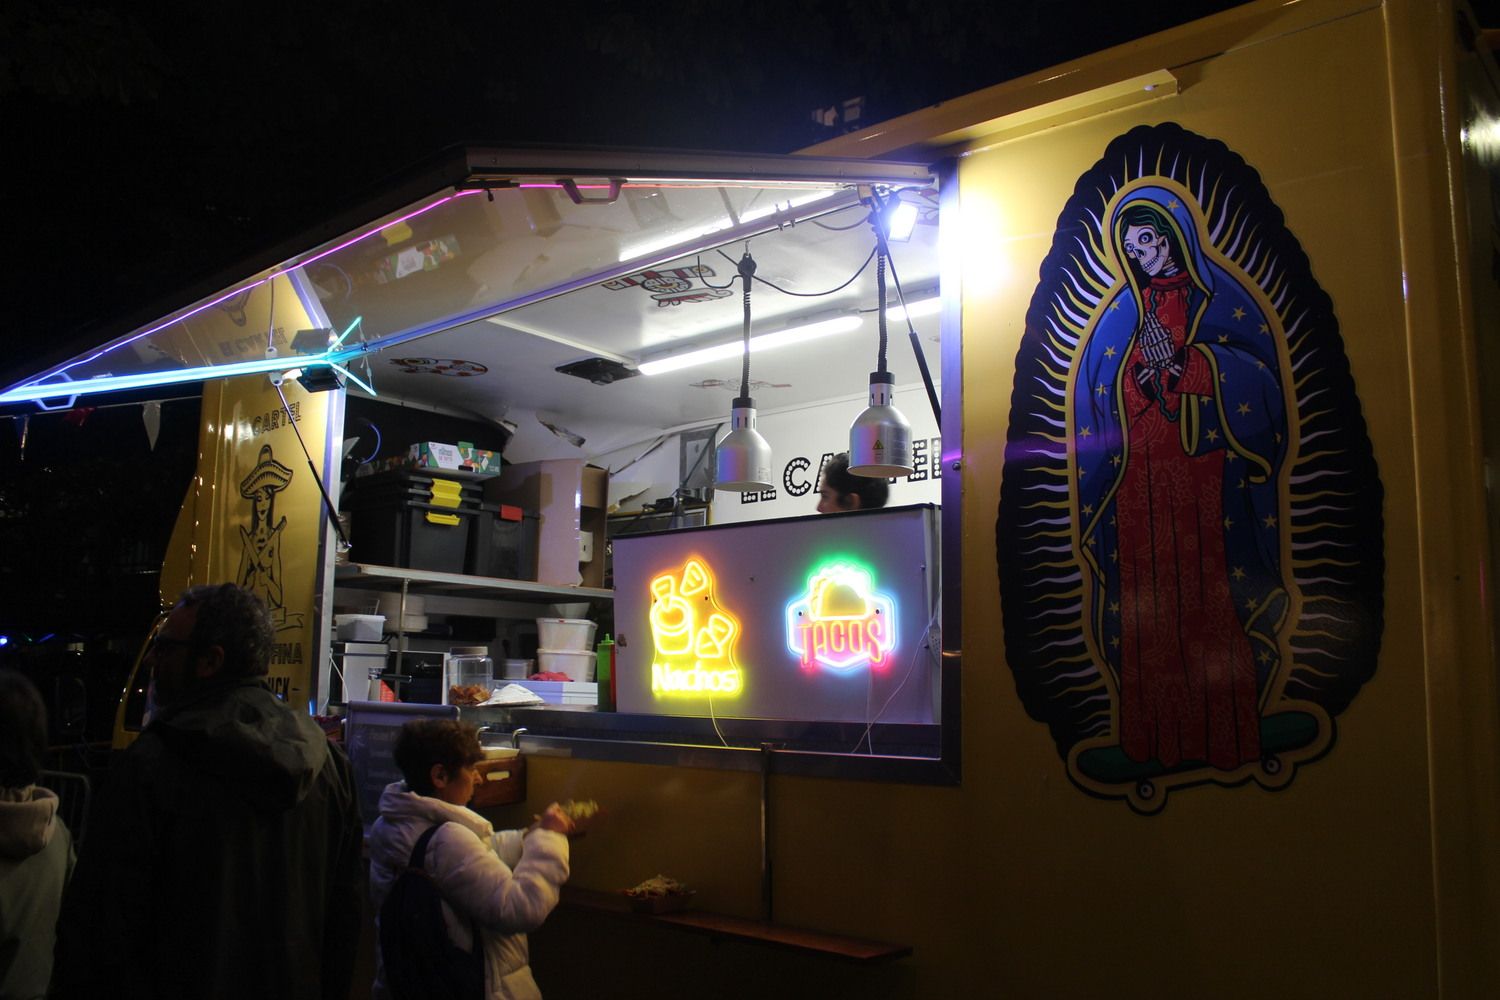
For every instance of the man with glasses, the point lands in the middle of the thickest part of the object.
(223, 859)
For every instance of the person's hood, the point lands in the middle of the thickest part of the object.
(28, 819)
(244, 734)
(411, 814)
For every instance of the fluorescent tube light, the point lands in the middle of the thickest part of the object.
(764, 342)
(916, 310)
(650, 246)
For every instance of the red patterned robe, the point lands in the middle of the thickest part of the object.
(1187, 673)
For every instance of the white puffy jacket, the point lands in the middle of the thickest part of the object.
(504, 882)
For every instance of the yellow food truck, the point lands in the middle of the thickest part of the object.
(1169, 668)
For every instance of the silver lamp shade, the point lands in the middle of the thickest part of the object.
(880, 438)
(744, 457)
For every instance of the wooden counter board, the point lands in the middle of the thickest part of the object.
(721, 926)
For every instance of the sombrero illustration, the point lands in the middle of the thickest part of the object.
(268, 475)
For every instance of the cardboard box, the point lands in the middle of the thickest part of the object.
(594, 499)
(434, 455)
(478, 459)
(568, 497)
(593, 491)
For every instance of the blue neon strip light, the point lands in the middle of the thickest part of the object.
(345, 334)
(146, 380)
(354, 378)
(231, 293)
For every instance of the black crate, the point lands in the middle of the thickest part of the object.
(402, 534)
(502, 547)
(399, 485)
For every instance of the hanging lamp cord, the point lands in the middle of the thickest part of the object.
(747, 272)
(880, 252)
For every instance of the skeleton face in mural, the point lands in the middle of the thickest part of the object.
(1150, 249)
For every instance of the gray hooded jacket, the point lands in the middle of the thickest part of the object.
(36, 857)
(222, 861)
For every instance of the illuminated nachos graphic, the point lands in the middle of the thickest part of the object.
(841, 623)
(693, 635)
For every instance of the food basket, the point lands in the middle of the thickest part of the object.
(659, 895)
(670, 903)
(501, 782)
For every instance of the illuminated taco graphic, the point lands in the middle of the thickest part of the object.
(841, 622)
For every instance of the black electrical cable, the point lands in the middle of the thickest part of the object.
(747, 271)
(877, 217)
(659, 442)
(916, 349)
(333, 514)
(624, 529)
(880, 295)
(812, 295)
(709, 284)
(838, 229)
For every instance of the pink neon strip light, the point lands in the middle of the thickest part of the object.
(250, 287)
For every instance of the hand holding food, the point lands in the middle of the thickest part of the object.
(553, 818)
(581, 812)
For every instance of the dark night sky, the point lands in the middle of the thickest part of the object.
(147, 146)
(150, 145)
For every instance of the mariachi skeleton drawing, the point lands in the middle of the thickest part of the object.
(260, 544)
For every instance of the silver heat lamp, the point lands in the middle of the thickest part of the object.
(744, 457)
(880, 437)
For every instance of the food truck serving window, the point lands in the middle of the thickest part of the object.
(816, 637)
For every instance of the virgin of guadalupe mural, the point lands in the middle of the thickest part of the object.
(1189, 530)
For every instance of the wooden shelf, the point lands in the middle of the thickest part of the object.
(721, 927)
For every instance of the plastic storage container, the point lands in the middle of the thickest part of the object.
(578, 664)
(469, 672)
(564, 633)
(407, 536)
(502, 543)
(516, 670)
(413, 519)
(359, 628)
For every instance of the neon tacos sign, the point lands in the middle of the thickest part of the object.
(841, 622)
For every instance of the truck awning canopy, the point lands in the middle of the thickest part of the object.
(482, 233)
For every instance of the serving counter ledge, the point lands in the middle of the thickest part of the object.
(722, 927)
(906, 754)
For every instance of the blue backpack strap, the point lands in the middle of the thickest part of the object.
(418, 865)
